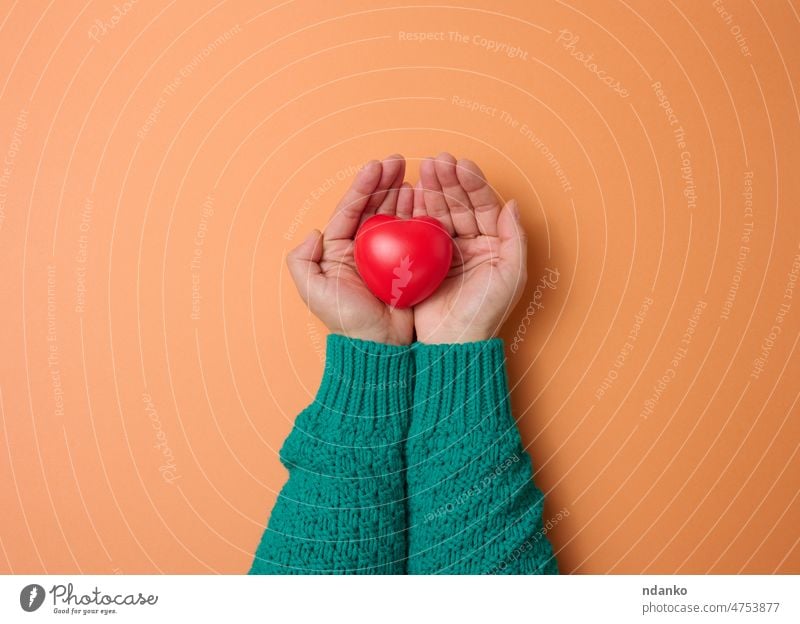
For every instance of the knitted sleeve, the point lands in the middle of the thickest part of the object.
(342, 510)
(472, 505)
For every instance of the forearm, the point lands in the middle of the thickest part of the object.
(342, 509)
(473, 506)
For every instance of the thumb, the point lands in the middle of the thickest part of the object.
(303, 263)
(513, 239)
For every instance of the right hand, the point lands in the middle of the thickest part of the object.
(323, 265)
(488, 273)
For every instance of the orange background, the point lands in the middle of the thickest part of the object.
(221, 132)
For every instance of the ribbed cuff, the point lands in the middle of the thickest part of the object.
(468, 377)
(359, 418)
(364, 378)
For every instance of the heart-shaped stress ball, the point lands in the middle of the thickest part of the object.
(402, 261)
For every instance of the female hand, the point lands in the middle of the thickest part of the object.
(323, 266)
(488, 272)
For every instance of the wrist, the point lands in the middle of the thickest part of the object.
(379, 333)
(378, 336)
(454, 336)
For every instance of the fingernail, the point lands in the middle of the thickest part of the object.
(512, 205)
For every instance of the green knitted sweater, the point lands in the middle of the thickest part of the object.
(407, 462)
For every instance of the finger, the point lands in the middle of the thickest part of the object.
(384, 199)
(513, 241)
(435, 204)
(346, 217)
(303, 263)
(482, 196)
(455, 196)
(405, 201)
(390, 203)
(419, 201)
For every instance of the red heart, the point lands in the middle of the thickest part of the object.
(402, 261)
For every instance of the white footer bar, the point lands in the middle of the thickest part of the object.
(376, 600)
